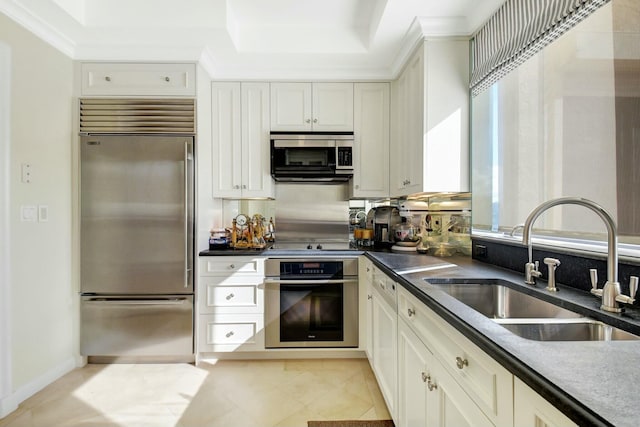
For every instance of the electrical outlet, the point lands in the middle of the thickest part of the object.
(480, 251)
(25, 173)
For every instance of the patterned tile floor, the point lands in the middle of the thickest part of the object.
(227, 393)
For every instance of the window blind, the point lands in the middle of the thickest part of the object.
(517, 31)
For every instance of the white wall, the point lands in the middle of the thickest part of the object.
(209, 212)
(5, 295)
(43, 301)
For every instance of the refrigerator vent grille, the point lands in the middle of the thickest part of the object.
(137, 115)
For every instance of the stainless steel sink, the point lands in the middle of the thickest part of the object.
(527, 316)
(590, 330)
(501, 302)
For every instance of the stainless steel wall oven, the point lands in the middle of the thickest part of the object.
(311, 302)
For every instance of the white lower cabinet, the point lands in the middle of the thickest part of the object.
(230, 304)
(532, 410)
(385, 350)
(428, 394)
(231, 332)
(488, 385)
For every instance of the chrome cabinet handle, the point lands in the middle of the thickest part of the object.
(167, 79)
(369, 297)
(425, 377)
(231, 295)
(232, 266)
(229, 334)
(461, 363)
(308, 121)
(107, 78)
(431, 386)
(315, 120)
(411, 312)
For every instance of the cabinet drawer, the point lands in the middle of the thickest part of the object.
(484, 379)
(230, 295)
(129, 79)
(226, 266)
(231, 332)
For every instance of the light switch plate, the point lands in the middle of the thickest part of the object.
(28, 213)
(43, 213)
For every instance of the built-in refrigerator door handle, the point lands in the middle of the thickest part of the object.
(115, 301)
(187, 159)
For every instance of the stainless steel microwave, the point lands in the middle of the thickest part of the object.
(312, 156)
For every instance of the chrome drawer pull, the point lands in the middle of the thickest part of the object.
(425, 377)
(229, 334)
(411, 312)
(461, 363)
(230, 296)
(431, 386)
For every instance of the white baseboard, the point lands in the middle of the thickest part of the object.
(10, 403)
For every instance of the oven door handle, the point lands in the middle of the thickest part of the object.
(308, 282)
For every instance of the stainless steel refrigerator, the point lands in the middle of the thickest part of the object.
(136, 245)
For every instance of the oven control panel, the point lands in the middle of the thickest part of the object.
(311, 268)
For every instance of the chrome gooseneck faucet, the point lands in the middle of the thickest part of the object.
(610, 293)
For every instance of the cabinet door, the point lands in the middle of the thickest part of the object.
(371, 145)
(487, 382)
(448, 405)
(256, 176)
(230, 295)
(412, 155)
(532, 410)
(332, 107)
(385, 355)
(413, 372)
(231, 332)
(129, 79)
(398, 141)
(365, 273)
(446, 150)
(226, 139)
(291, 107)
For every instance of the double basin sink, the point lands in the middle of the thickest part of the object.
(527, 316)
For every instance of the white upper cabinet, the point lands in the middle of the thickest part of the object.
(136, 79)
(430, 125)
(371, 144)
(240, 140)
(312, 107)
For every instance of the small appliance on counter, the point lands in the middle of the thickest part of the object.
(408, 234)
(384, 219)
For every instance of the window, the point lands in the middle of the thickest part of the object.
(564, 123)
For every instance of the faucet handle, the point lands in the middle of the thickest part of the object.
(551, 262)
(594, 282)
(633, 286)
(594, 278)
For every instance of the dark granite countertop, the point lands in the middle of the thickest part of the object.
(594, 383)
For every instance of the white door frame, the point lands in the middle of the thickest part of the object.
(5, 274)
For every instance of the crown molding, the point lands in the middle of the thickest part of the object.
(24, 17)
(422, 29)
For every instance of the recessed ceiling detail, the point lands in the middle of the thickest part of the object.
(255, 39)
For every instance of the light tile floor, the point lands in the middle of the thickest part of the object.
(227, 393)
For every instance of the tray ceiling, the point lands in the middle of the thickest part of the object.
(251, 38)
